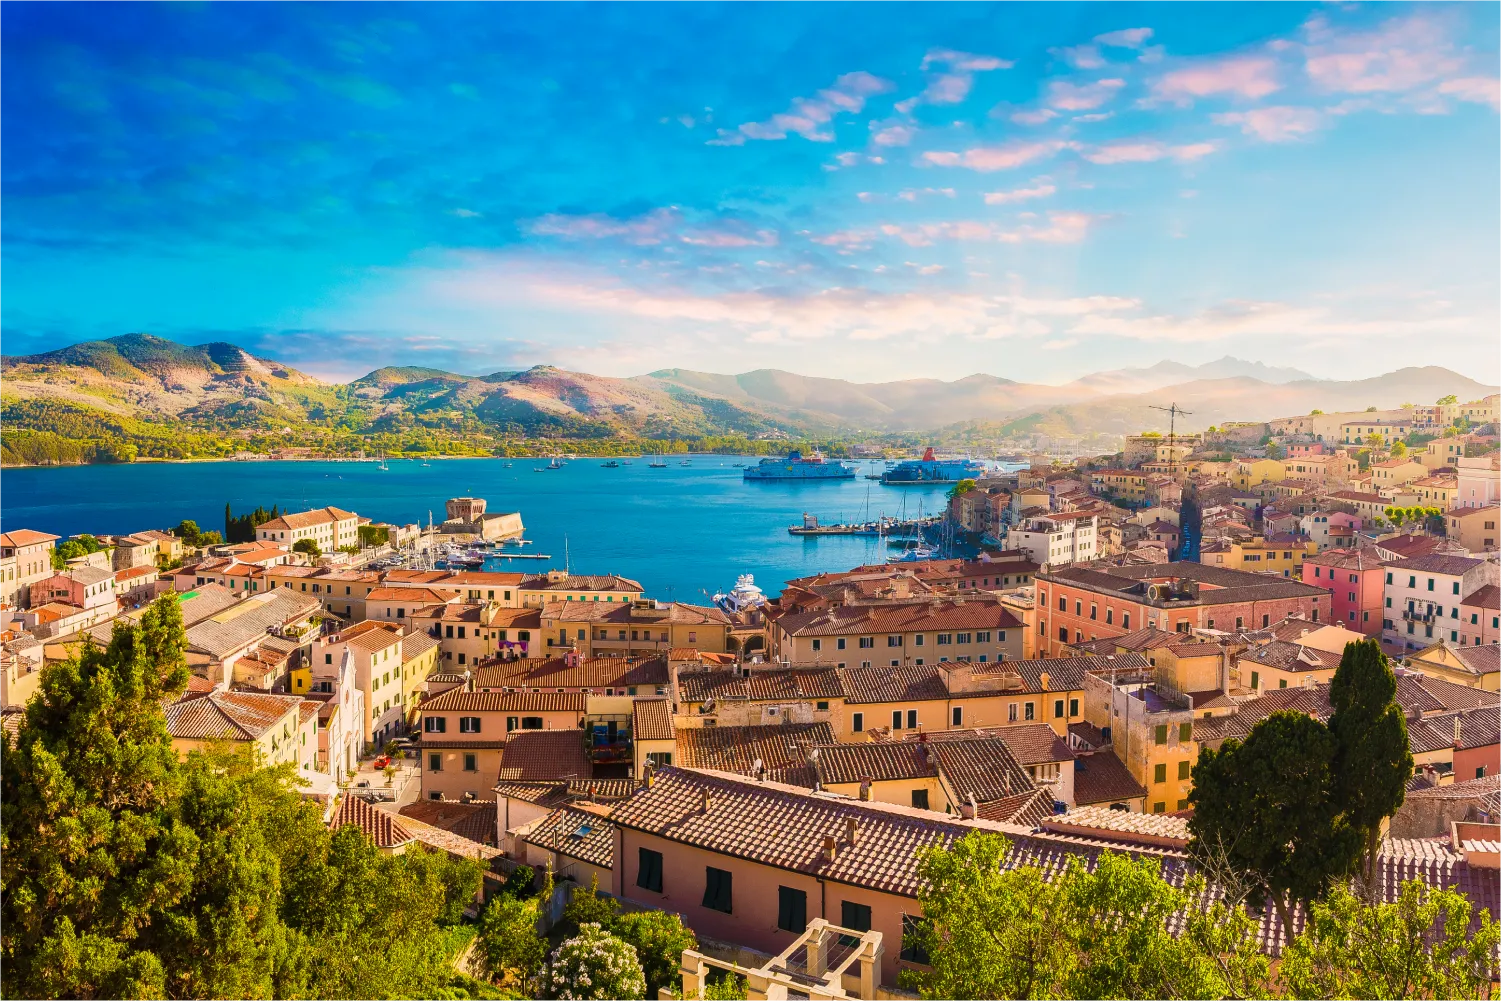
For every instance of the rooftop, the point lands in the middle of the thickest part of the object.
(780, 748)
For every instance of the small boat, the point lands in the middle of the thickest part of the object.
(686, 462)
(556, 463)
(612, 464)
(657, 465)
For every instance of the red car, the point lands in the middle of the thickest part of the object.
(381, 763)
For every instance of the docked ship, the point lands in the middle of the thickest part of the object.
(930, 469)
(795, 467)
(744, 597)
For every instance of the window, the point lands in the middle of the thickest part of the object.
(1011, 713)
(839, 643)
(914, 933)
(1063, 634)
(1109, 616)
(1073, 707)
(896, 719)
(1185, 731)
(471, 762)
(1159, 773)
(649, 870)
(911, 719)
(1160, 734)
(435, 724)
(717, 890)
(1255, 679)
(1029, 711)
(1057, 708)
(961, 637)
(855, 917)
(1094, 611)
(1125, 620)
(1183, 769)
(817, 645)
(435, 762)
(512, 722)
(945, 639)
(893, 641)
(867, 642)
(469, 724)
(918, 640)
(920, 798)
(1456, 587)
(531, 722)
(857, 722)
(822, 705)
(792, 909)
(958, 717)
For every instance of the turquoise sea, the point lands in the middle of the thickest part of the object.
(684, 532)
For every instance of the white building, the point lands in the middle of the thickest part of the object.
(1423, 595)
(1479, 481)
(330, 527)
(1057, 539)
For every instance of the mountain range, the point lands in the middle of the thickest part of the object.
(149, 380)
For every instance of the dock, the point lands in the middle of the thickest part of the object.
(883, 526)
(518, 556)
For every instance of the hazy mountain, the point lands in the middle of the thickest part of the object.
(1169, 373)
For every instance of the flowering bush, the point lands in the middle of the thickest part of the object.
(594, 964)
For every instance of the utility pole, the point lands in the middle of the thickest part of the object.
(1172, 411)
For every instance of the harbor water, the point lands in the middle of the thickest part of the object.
(684, 532)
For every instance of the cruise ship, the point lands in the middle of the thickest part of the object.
(930, 469)
(795, 467)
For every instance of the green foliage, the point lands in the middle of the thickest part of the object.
(590, 907)
(128, 872)
(1420, 946)
(81, 545)
(372, 535)
(1315, 412)
(307, 546)
(1372, 757)
(659, 938)
(187, 530)
(241, 528)
(1266, 807)
(594, 964)
(726, 988)
(1445, 401)
(961, 488)
(1399, 450)
(510, 948)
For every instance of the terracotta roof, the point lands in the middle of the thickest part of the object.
(1103, 778)
(581, 582)
(945, 613)
(866, 685)
(1226, 586)
(1161, 828)
(594, 672)
(1437, 563)
(651, 719)
(1445, 694)
(228, 715)
(475, 820)
(307, 519)
(1025, 809)
(1066, 674)
(1034, 743)
(1480, 659)
(379, 826)
(879, 761)
(415, 644)
(781, 748)
(1488, 596)
(547, 794)
(25, 537)
(416, 595)
(774, 685)
(578, 834)
(545, 756)
(458, 700)
(628, 614)
(233, 627)
(379, 636)
(983, 768)
(1292, 657)
(1087, 732)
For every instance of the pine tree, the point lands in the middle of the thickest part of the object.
(1372, 757)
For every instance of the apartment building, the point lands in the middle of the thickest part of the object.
(330, 528)
(1057, 539)
(1474, 528)
(464, 734)
(1424, 598)
(25, 558)
(1356, 582)
(974, 628)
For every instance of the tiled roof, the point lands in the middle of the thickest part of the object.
(984, 769)
(1486, 789)
(458, 700)
(581, 582)
(1289, 657)
(1488, 596)
(1104, 822)
(578, 834)
(379, 636)
(544, 756)
(866, 685)
(651, 719)
(781, 748)
(1437, 563)
(474, 820)
(25, 537)
(306, 519)
(1103, 778)
(414, 645)
(1066, 674)
(761, 685)
(943, 613)
(1480, 659)
(879, 761)
(1228, 585)
(379, 826)
(233, 627)
(595, 672)
(1445, 694)
(1090, 734)
(1025, 809)
(548, 794)
(1034, 743)
(623, 614)
(228, 715)
(416, 595)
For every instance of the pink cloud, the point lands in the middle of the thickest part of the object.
(1019, 194)
(1275, 124)
(1037, 117)
(892, 135)
(1400, 55)
(989, 158)
(1240, 76)
(1062, 227)
(1128, 38)
(1148, 151)
(1082, 97)
(807, 115)
(1479, 89)
(643, 230)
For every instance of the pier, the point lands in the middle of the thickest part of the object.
(879, 527)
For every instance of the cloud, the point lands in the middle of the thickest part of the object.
(1250, 318)
(1239, 76)
(1148, 151)
(1082, 57)
(990, 158)
(925, 269)
(808, 115)
(1037, 117)
(1082, 97)
(1094, 118)
(912, 194)
(953, 85)
(464, 213)
(1403, 54)
(1275, 124)
(1019, 194)
(729, 236)
(652, 229)
(1479, 89)
(891, 135)
(1059, 344)
(1062, 227)
(1128, 38)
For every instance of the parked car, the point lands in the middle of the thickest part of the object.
(381, 762)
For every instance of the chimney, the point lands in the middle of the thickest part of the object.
(968, 808)
(852, 830)
(1043, 680)
(758, 769)
(865, 789)
(1458, 724)
(468, 681)
(648, 773)
(830, 848)
(706, 801)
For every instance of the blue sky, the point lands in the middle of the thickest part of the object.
(860, 191)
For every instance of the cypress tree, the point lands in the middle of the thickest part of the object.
(1372, 756)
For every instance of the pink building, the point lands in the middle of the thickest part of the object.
(1302, 449)
(1356, 584)
(1480, 617)
(86, 587)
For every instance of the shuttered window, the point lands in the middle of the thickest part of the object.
(718, 891)
(649, 870)
(792, 909)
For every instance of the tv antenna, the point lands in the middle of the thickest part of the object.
(1172, 411)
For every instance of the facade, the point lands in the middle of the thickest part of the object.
(1356, 582)
(376, 649)
(86, 587)
(1424, 596)
(645, 625)
(25, 558)
(330, 528)
(1479, 481)
(274, 725)
(979, 629)
(1475, 527)
(464, 733)
(1151, 731)
(1057, 539)
(558, 585)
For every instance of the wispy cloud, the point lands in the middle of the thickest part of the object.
(1082, 97)
(653, 228)
(1037, 117)
(1127, 38)
(1148, 151)
(1401, 55)
(1062, 227)
(808, 116)
(991, 158)
(891, 135)
(1275, 124)
(951, 84)
(1249, 77)
(1479, 89)
(1042, 190)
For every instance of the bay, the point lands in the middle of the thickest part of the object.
(684, 532)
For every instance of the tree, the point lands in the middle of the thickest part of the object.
(1315, 412)
(1266, 806)
(1372, 758)
(373, 535)
(510, 948)
(594, 964)
(187, 531)
(659, 938)
(1422, 945)
(590, 907)
(1446, 401)
(1399, 449)
(961, 488)
(307, 546)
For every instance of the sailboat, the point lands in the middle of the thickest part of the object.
(658, 461)
(383, 467)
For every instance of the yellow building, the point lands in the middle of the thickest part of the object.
(1436, 491)
(558, 585)
(280, 728)
(1262, 555)
(1249, 472)
(1475, 667)
(1395, 472)
(1126, 484)
(599, 628)
(1475, 527)
(1442, 452)
(1152, 733)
